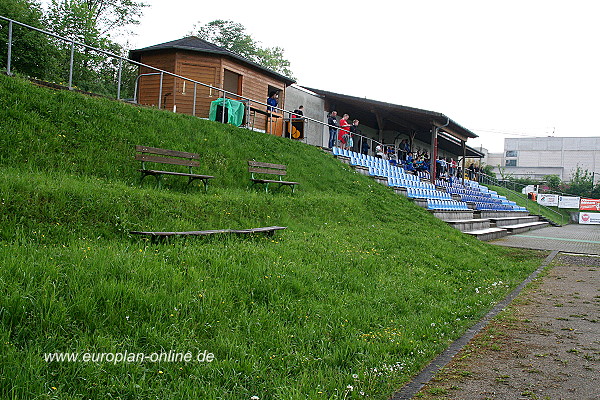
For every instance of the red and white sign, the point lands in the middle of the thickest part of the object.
(589, 204)
(589, 218)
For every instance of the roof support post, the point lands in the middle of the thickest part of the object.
(380, 124)
(434, 147)
(434, 153)
(464, 156)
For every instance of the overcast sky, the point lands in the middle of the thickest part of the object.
(528, 67)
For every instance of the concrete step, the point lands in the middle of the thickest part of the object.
(452, 215)
(519, 228)
(466, 225)
(523, 219)
(501, 214)
(488, 234)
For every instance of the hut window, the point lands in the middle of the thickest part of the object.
(273, 89)
(232, 82)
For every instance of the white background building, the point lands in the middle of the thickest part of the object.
(541, 156)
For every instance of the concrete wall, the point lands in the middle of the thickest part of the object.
(314, 107)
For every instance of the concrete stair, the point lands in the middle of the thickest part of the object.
(521, 219)
(488, 234)
(520, 228)
(467, 225)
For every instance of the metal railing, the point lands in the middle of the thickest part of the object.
(485, 179)
(251, 104)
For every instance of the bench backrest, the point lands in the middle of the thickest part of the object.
(164, 156)
(266, 168)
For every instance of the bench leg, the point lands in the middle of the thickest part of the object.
(204, 181)
(157, 176)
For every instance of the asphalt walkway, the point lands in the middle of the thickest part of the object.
(574, 238)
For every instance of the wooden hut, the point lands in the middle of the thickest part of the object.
(201, 61)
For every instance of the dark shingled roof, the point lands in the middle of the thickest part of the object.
(410, 114)
(401, 119)
(195, 44)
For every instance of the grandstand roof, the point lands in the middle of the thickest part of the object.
(402, 119)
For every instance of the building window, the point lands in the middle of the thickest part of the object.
(511, 153)
(511, 163)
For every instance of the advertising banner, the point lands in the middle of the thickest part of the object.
(548, 199)
(568, 202)
(590, 204)
(589, 218)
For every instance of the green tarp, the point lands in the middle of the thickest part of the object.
(235, 111)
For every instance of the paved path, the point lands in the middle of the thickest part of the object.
(549, 350)
(546, 346)
(573, 238)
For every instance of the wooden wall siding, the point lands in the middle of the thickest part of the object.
(185, 90)
(208, 69)
(148, 88)
(255, 85)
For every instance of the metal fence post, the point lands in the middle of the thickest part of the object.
(160, 91)
(195, 94)
(223, 109)
(71, 65)
(119, 79)
(9, 54)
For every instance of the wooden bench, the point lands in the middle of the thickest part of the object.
(147, 154)
(159, 236)
(255, 167)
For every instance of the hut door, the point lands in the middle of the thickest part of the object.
(204, 95)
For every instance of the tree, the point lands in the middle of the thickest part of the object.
(553, 181)
(32, 52)
(504, 174)
(86, 20)
(93, 23)
(488, 170)
(581, 182)
(233, 37)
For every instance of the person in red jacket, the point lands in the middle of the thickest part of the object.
(344, 130)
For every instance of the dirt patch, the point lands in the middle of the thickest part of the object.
(546, 345)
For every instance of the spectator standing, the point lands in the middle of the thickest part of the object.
(365, 146)
(354, 131)
(299, 111)
(333, 124)
(404, 149)
(344, 132)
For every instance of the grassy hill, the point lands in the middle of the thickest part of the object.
(559, 215)
(357, 295)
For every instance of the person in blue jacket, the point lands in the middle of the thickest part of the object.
(272, 102)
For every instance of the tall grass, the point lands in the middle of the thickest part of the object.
(359, 292)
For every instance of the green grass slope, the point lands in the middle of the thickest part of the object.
(357, 295)
(559, 215)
